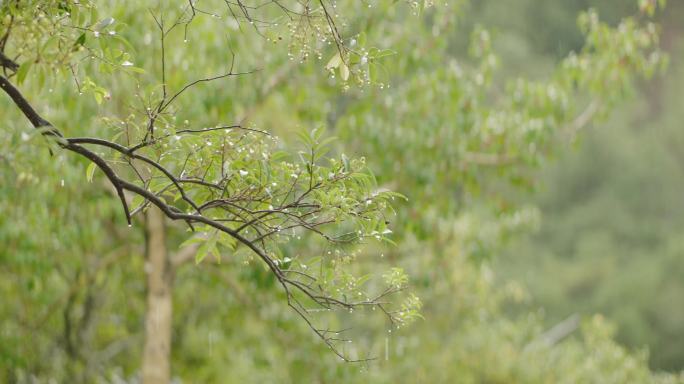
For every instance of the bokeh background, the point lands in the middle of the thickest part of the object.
(591, 228)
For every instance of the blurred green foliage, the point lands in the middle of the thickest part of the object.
(458, 118)
(612, 222)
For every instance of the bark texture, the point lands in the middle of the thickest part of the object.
(156, 366)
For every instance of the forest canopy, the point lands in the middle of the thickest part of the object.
(319, 191)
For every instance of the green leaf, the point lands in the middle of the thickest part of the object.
(345, 161)
(123, 41)
(81, 40)
(305, 138)
(227, 241)
(375, 53)
(326, 141)
(93, 15)
(135, 69)
(201, 253)
(344, 72)
(362, 39)
(22, 72)
(104, 23)
(192, 240)
(334, 62)
(373, 72)
(90, 171)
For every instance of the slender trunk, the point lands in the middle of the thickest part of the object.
(156, 367)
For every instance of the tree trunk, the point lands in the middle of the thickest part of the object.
(156, 367)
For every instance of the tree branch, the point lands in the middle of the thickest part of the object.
(290, 282)
(8, 63)
(36, 120)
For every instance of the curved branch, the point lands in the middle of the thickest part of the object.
(8, 63)
(39, 122)
(317, 295)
